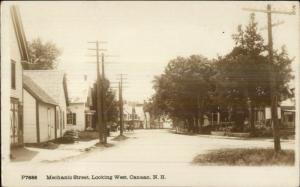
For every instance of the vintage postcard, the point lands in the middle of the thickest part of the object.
(150, 93)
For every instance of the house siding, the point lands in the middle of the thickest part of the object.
(47, 122)
(63, 108)
(30, 128)
(79, 110)
(16, 94)
(51, 81)
(15, 56)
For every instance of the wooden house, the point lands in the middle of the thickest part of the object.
(18, 55)
(134, 115)
(80, 115)
(46, 98)
(39, 113)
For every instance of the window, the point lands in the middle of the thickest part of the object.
(71, 118)
(13, 74)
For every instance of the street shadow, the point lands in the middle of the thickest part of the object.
(107, 145)
(44, 145)
(120, 138)
(183, 133)
(22, 154)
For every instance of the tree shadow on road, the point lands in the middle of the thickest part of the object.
(22, 154)
(120, 138)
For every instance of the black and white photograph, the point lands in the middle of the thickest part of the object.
(150, 93)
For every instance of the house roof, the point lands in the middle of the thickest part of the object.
(80, 93)
(51, 81)
(19, 31)
(288, 102)
(37, 92)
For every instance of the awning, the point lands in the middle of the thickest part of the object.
(90, 111)
(289, 110)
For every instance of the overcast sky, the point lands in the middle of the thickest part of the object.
(145, 35)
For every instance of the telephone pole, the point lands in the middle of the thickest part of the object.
(103, 93)
(99, 92)
(274, 93)
(121, 104)
(103, 100)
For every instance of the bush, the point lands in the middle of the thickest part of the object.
(70, 136)
(263, 131)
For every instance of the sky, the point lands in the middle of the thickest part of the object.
(143, 37)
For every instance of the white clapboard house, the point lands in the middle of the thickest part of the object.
(80, 116)
(45, 105)
(18, 55)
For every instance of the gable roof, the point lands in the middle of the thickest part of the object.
(37, 92)
(52, 81)
(80, 91)
(19, 31)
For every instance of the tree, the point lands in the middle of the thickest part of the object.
(243, 74)
(42, 55)
(151, 106)
(110, 102)
(183, 90)
(111, 105)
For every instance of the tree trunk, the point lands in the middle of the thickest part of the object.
(195, 124)
(201, 121)
(252, 123)
(190, 122)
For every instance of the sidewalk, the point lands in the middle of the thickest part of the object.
(62, 152)
(233, 137)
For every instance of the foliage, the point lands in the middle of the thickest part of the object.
(183, 91)
(243, 78)
(43, 56)
(111, 104)
(246, 157)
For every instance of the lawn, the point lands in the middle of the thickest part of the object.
(246, 157)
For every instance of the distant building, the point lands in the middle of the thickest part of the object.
(288, 111)
(134, 115)
(286, 114)
(80, 115)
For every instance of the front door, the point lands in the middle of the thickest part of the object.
(49, 123)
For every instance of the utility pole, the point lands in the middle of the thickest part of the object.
(121, 108)
(121, 104)
(99, 92)
(103, 100)
(274, 94)
(103, 96)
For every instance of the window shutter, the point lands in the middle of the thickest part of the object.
(74, 118)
